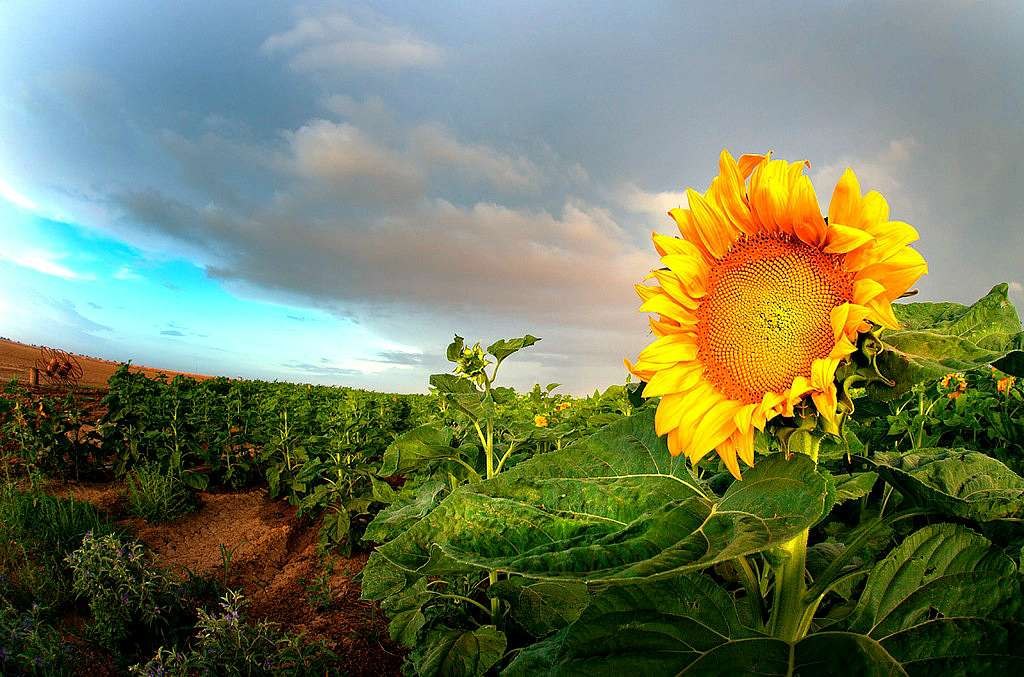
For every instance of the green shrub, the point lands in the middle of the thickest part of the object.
(158, 496)
(226, 644)
(127, 597)
(28, 644)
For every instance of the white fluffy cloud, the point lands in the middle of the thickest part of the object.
(339, 41)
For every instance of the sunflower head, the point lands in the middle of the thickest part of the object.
(760, 300)
(540, 421)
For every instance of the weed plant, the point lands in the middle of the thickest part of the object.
(158, 495)
(227, 644)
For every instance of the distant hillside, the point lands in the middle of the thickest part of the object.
(16, 359)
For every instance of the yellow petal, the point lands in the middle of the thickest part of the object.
(678, 379)
(748, 163)
(845, 319)
(841, 239)
(665, 305)
(670, 410)
(845, 204)
(688, 229)
(727, 452)
(808, 224)
(668, 351)
(881, 312)
(714, 428)
(713, 228)
(667, 244)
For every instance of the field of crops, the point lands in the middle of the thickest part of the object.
(533, 533)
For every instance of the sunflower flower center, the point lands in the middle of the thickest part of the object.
(765, 318)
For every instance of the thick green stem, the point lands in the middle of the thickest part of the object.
(790, 588)
(789, 620)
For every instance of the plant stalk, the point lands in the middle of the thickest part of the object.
(789, 608)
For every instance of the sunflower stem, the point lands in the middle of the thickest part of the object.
(789, 621)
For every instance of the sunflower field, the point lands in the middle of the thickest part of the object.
(804, 474)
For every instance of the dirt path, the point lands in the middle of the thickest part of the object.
(273, 558)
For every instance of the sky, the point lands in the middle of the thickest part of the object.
(327, 192)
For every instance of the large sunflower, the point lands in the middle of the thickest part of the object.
(761, 300)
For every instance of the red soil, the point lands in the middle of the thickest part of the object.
(274, 560)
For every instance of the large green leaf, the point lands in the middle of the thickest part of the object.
(938, 338)
(450, 652)
(959, 647)
(542, 606)
(943, 570)
(610, 508)
(956, 482)
(688, 626)
(406, 510)
(651, 629)
(417, 447)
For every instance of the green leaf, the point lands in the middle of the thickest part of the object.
(1012, 363)
(406, 614)
(825, 653)
(688, 626)
(404, 511)
(855, 485)
(416, 448)
(942, 569)
(939, 338)
(461, 391)
(638, 629)
(505, 347)
(542, 607)
(610, 508)
(959, 646)
(956, 482)
(454, 351)
(450, 652)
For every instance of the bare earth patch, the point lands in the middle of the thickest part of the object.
(273, 559)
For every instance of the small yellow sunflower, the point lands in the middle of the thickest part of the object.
(540, 421)
(761, 300)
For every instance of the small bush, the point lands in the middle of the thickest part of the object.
(226, 644)
(127, 597)
(158, 496)
(28, 644)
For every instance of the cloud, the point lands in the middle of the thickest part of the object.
(399, 357)
(883, 171)
(41, 261)
(436, 146)
(341, 158)
(338, 41)
(639, 201)
(320, 369)
(127, 273)
(7, 192)
(171, 332)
